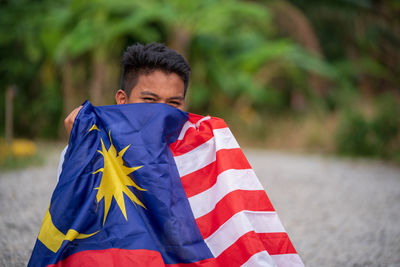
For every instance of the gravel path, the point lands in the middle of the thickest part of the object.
(337, 212)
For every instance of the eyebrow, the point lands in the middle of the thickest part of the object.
(143, 93)
(176, 98)
(149, 93)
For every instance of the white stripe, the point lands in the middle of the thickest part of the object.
(285, 260)
(228, 181)
(185, 127)
(189, 125)
(260, 259)
(197, 158)
(240, 224)
(201, 120)
(205, 153)
(224, 139)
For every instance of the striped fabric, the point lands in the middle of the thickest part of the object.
(232, 210)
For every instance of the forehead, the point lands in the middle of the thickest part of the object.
(160, 83)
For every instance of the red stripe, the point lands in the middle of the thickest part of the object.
(202, 179)
(214, 121)
(115, 257)
(240, 251)
(251, 243)
(277, 243)
(204, 263)
(193, 118)
(195, 137)
(231, 204)
(192, 139)
(112, 257)
(237, 254)
(246, 246)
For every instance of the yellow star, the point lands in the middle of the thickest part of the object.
(115, 180)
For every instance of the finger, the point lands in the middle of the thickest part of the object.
(69, 120)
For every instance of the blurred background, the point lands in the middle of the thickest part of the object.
(320, 76)
(309, 84)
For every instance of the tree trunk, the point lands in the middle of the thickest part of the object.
(73, 89)
(98, 79)
(10, 94)
(180, 42)
(293, 23)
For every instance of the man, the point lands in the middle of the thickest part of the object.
(195, 201)
(151, 73)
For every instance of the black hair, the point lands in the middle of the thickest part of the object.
(140, 59)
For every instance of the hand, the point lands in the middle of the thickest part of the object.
(69, 120)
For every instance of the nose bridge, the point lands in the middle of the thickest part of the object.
(162, 100)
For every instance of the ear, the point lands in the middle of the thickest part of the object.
(121, 97)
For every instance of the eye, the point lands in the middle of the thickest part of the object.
(149, 99)
(175, 103)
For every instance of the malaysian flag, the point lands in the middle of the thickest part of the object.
(232, 210)
(150, 185)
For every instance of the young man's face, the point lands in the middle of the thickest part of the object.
(156, 87)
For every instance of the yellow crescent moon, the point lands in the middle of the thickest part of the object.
(52, 238)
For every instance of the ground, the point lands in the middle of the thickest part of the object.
(338, 212)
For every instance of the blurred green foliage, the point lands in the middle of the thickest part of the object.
(250, 59)
(13, 162)
(375, 136)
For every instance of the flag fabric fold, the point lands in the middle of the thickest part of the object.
(150, 185)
